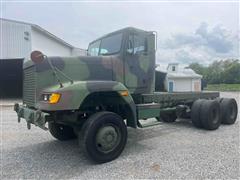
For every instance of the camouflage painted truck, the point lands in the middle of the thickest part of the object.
(95, 97)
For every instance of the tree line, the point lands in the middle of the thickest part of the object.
(218, 72)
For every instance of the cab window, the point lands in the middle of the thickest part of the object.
(111, 44)
(106, 46)
(136, 44)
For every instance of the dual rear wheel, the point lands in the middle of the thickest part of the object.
(209, 114)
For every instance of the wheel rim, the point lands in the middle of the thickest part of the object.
(107, 138)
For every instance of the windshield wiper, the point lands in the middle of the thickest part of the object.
(55, 70)
(64, 75)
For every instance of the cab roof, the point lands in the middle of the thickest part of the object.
(133, 29)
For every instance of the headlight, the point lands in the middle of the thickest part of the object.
(46, 97)
(52, 98)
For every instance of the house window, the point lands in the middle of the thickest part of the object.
(173, 68)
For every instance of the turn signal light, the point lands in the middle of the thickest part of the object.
(54, 98)
(124, 93)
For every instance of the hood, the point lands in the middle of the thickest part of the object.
(82, 68)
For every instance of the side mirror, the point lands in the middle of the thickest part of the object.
(37, 57)
(130, 48)
(145, 47)
(130, 51)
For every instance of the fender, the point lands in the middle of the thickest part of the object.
(73, 95)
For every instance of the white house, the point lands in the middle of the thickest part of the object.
(179, 79)
(182, 79)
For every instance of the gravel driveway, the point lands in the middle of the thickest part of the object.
(176, 150)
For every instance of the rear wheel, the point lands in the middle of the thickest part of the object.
(104, 136)
(210, 114)
(196, 112)
(229, 111)
(61, 132)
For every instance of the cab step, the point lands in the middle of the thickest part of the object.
(148, 123)
(149, 110)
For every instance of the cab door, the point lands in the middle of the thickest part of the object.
(139, 64)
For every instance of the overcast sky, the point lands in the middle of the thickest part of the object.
(187, 32)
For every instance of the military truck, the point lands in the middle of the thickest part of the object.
(96, 97)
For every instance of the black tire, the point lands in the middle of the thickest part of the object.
(61, 132)
(210, 115)
(228, 110)
(96, 130)
(221, 112)
(168, 117)
(196, 112)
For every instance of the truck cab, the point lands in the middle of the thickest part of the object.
(133, 54)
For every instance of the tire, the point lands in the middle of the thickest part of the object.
(210, 115)
(168, 117)
(229, 111)
(219, 100)
(104, 136)
(61, 132)
(195, 113)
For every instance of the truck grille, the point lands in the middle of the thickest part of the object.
(29, 86)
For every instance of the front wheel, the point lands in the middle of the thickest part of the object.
(104, 136)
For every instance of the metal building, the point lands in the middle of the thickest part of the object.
(18, 40)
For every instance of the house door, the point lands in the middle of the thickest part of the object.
(170, 86)
(196, 85)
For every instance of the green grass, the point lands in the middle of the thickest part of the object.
(223, 87)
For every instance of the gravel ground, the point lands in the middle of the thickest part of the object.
(176, 150)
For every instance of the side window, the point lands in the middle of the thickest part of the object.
(136, 44)
(130, 45)
(139, 44)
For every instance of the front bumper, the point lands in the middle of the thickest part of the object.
(32, 116)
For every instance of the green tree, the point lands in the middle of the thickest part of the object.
(223, 71)
(231, 74)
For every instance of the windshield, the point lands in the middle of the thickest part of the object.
(109, 45)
